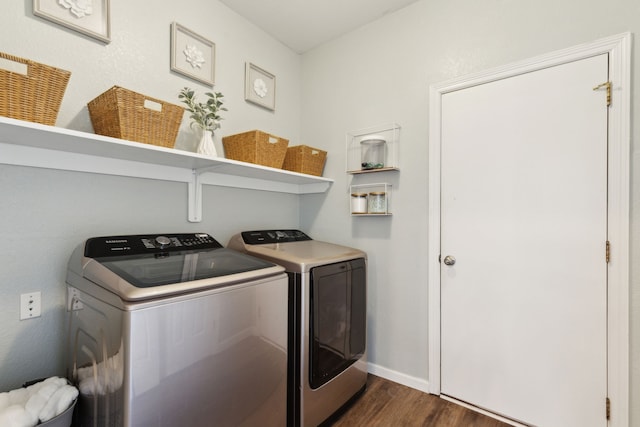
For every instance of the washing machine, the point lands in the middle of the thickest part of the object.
(327, 319)
(176, 330)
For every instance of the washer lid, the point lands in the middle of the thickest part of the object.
(300, 256)
(149, 270)
(143, 267)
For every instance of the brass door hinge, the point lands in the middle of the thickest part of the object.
(606, 85)
(607, 254)
(608, 404)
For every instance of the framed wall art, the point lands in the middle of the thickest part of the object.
(192, 55)
(91, 18)
(260, 87)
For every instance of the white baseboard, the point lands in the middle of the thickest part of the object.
(398, 377)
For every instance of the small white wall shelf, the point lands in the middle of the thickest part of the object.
(35, 145)
(390, 133)
(370, 199)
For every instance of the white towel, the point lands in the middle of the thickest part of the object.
(17, 416)
(51, 380)
(18, 396)
(4, 400)
(44, 400)
(39, 399)
(59, 402)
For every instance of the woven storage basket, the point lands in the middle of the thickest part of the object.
(305, 159)
(256, 147)
(36, 96)
(124, 114)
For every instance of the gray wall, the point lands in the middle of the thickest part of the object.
(44, 213)
(381, 73)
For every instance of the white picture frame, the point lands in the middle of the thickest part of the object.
(192, 55)
(259, 87)
(94, 21)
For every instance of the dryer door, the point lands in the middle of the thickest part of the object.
(337, 317)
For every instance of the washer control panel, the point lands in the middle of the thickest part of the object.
(108, 246)
(261, 237)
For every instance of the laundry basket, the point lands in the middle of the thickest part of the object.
(53, 399)
(62, 420)
(305, 159)
(125, 114)
(256, 147)
(35, 95)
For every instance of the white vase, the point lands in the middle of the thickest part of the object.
(206, 146)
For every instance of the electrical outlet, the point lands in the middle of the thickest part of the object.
(73, 299)
(30, 305)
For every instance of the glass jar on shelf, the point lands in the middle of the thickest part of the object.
(359, 203)
(377, 202)
(373, 152)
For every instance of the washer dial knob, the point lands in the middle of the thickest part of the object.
(163, 242)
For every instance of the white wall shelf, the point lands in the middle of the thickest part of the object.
(370, 199)
(363, 171)
(390, 133)
(35, 145)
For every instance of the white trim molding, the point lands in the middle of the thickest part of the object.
(398, 377)
(619, 50)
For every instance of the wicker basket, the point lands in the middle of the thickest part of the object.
(36, 96)
(256, 147)
(124, 114)
(305, 159)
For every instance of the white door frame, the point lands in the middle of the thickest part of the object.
(619, 49)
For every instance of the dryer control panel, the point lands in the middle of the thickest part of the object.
(261, 237)
(98, 247)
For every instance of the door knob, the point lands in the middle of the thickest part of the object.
(449, 260)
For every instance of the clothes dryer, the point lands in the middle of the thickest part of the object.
(327, 319)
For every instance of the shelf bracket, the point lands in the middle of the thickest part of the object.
(195, 192)
(195, 197)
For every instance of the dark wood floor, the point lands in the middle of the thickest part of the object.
(386, 404)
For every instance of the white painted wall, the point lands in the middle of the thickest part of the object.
(44, 214)
(381, 73)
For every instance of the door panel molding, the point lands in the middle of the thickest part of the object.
(619, 50)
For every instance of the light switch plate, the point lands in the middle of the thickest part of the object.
(30, 305)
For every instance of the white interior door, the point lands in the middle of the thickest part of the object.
(524, 213)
